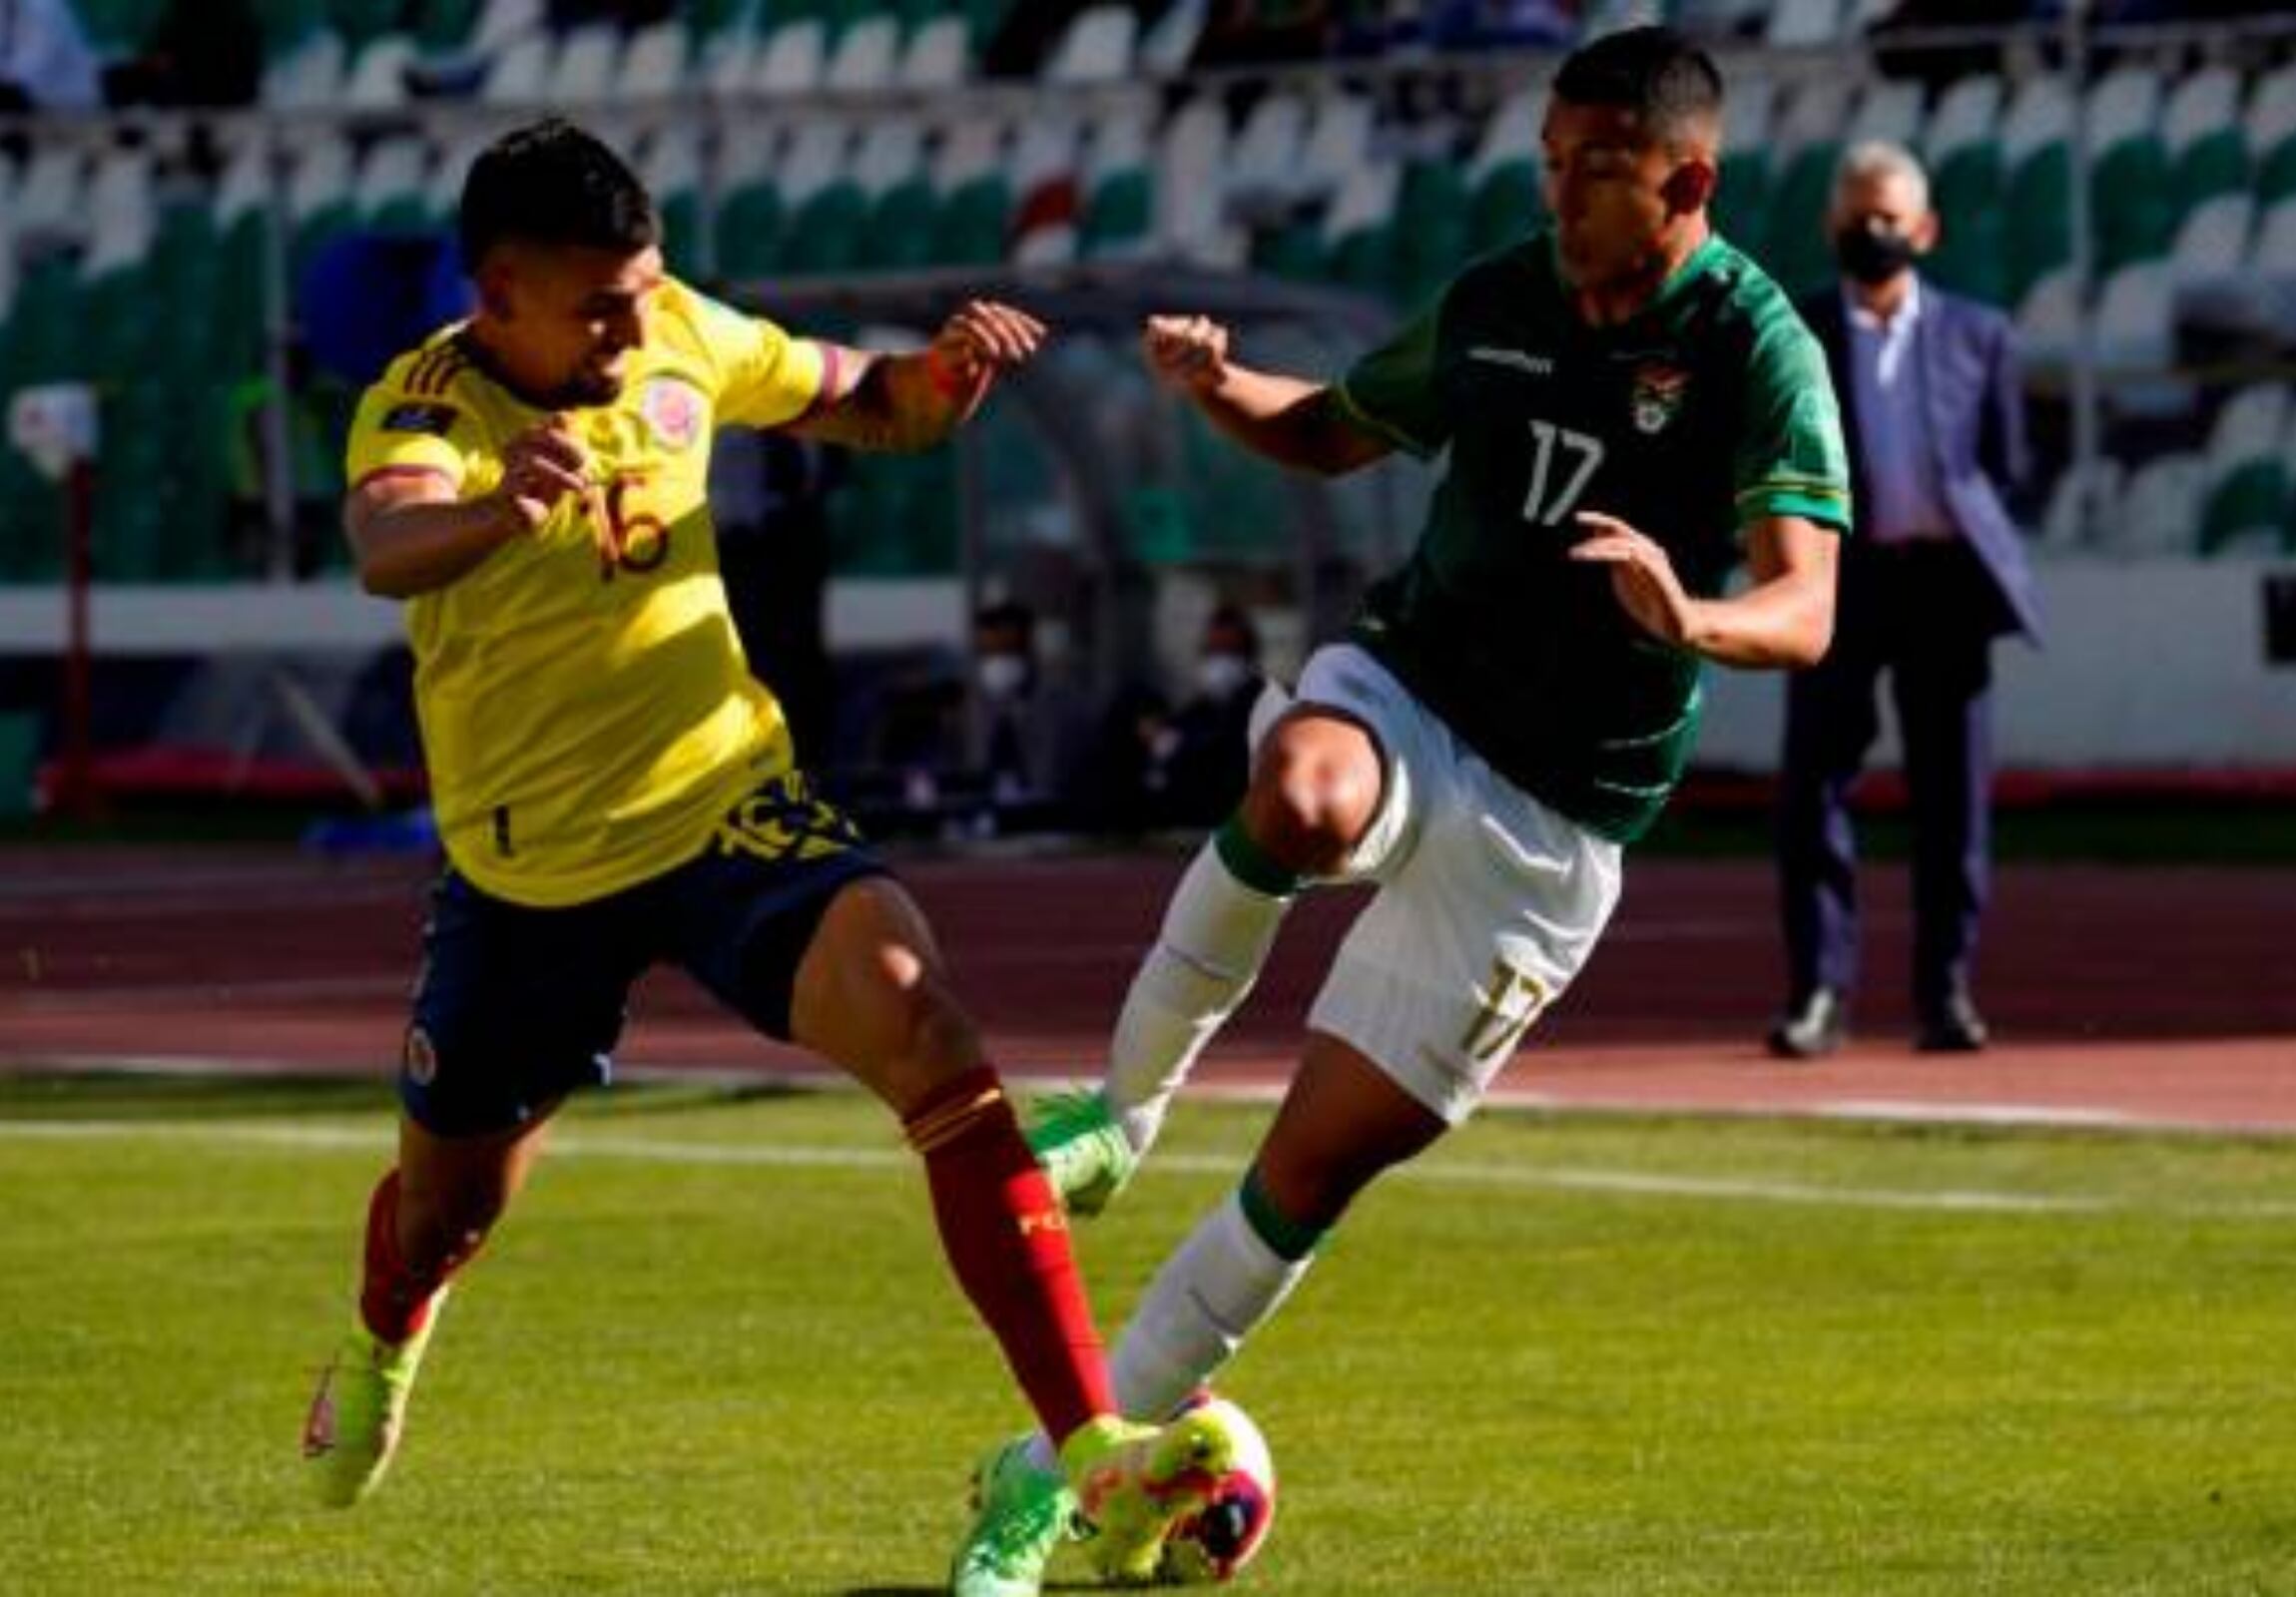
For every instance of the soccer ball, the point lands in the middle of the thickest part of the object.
(1214, 1544)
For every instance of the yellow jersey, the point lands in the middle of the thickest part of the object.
(587, 714)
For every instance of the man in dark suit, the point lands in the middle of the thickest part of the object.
(1933, 414)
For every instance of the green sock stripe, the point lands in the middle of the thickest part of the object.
(1251, 864)
(1289, 1238)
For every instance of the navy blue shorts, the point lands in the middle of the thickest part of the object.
(516, 1006)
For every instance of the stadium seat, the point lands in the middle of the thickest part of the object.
(793, 59)
(864, 57)
(502, 22)
(1191, 209)
(1264, 174)
(519, 74)
(2048, 318)
(1096, 48)
(2272, 256)
(586, 66)
(2212, 244)
(2132, 207)
(2036, 161)
(654, 64)
(1430, 230)
(378, 78)
(2157, 513)
(1888, 109)
(2206, 144)
(1119, 195)
(2073, 500)
(308, 76)
(2271, 128)
(2133, 327)
(938, 55)
(1800, 24)
(2245, 485)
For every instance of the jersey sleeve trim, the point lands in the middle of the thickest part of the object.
(405, 470)
(1352, 410)
(824, 397)
(1813, 502)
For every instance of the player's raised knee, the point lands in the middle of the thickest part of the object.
(1312, 799)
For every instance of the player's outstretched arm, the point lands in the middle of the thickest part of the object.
(907, 403)
(1784, 619)
(411, 532)
(1288, 419)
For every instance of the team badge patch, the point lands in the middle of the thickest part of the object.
(1657, 395)
(419, 1058)
(673, 412)
(434, 419)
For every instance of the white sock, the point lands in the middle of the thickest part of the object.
(1215, 938)
(1221, 1284)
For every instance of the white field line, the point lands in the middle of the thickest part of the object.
(1440, 1172)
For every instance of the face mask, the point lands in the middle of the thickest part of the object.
(1002, 676)
(1218, 676)
(1873, 253)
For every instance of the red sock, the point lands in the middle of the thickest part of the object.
(1006, 1237)
(395, 1299)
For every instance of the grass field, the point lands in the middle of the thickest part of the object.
(715, 1351)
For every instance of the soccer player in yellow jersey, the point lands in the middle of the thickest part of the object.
(614, 790)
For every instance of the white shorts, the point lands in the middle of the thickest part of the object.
(1488, 902)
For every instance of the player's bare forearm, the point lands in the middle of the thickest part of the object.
(1784, 619)
(1289, 420)
(899, 404)
(913, 402)
(411, 546)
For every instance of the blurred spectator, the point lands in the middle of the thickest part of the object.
(1029, 731)
(768, 493)
(198, 53)
(45, 61)
(1201, 757)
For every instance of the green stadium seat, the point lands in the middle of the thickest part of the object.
(1505, 205)
(2133, 202)
(2039, 208)
(750, 232)
(1119, 212)
(825, 235)
(1794, 246)
(1741, 197)
(969, 229)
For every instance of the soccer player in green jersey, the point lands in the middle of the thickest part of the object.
(1630, 409)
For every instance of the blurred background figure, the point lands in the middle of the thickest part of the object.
(1933, 414)
(1200, 757)
(770, 494)
(1029, 731)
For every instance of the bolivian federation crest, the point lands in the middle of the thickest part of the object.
(1657, 394)
(673, 411)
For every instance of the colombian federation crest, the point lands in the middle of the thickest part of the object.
(673, 412)
(1657, 393)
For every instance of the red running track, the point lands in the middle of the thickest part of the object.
(2162, 996)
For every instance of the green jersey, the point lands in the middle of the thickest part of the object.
(1708, 410)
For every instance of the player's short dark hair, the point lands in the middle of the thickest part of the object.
(1660, 75)
(549, 183)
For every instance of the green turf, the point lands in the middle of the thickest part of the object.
(715, 1351)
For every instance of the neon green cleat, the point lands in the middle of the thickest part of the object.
(1082, 1149)
(1133, 1483)
(1020, 1514)
(360, 1409)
